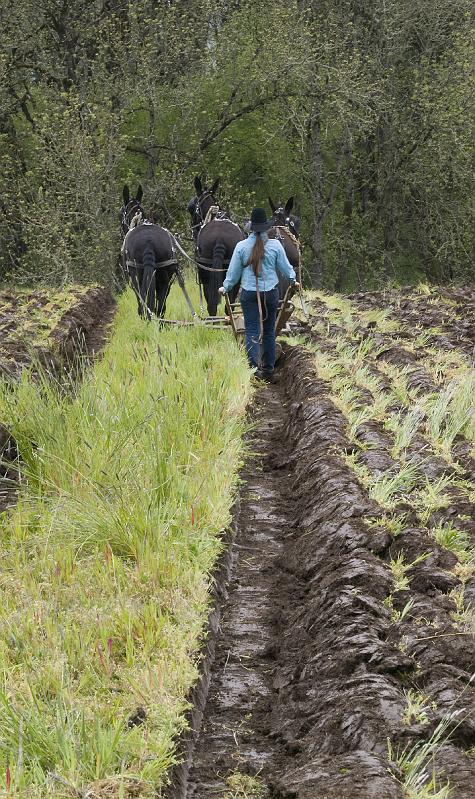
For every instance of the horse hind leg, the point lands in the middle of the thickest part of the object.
(136, 283)
(164, 279)
(217, 275)
(204, 280)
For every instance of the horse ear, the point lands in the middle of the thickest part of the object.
(289, 205)
(139, 194)
(214, 186)
(198, 186)
(126, 194)
(272, 204)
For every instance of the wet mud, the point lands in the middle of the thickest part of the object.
(446, 313)
(29, 334)
(316, 649)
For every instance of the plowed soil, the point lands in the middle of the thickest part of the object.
(57, 330)
(50, 327)
(322, 669)
(447, 313)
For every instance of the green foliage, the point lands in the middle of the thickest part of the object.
(363, 114)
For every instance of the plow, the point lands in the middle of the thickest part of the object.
(143, 263)
(233, 318)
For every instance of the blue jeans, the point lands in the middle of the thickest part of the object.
(250, 309)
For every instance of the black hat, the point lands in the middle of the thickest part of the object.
(259, 221)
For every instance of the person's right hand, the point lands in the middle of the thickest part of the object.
(222, 290)
(297, 285)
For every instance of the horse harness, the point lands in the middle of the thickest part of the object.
(213, 216)
(173, 261)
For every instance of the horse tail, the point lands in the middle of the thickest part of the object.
(147, 285)
(217, 275)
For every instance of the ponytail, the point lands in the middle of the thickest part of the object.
(256, 255)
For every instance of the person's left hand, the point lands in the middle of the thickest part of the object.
(222, 290)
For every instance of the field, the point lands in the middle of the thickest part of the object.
(346, 657)
(339, 657)
(53, 331)
(50, 327)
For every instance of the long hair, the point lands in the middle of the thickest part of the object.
(256, 256)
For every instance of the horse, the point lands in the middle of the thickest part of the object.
(149, 259)
(215, 238)
(286, 228)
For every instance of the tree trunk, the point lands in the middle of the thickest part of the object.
(343, 263)
(316, 195)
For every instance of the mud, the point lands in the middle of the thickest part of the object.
(311, 665)
(448, 314)
(28, 333)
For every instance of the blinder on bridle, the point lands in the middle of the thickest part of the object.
(195, 207)
(199, 214)
(127, 213)
(281, 217)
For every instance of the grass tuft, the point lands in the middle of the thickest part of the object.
(106, 557)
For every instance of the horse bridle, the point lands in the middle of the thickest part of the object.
(199, 210)
(288, 222)
(127, 214)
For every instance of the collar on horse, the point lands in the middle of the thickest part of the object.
(283, 228)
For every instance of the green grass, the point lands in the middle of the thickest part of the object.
(417, 707)
(106, 557)
(416, 763)
(241, 786)
(449, 537)
(450, 413)
(388, 489)
(399, 569)
(404, 427)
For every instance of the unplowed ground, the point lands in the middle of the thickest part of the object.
(341, 654)
(51, 329)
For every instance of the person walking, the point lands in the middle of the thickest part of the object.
(255, 262)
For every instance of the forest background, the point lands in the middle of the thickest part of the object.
(362, 109)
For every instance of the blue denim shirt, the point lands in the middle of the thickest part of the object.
(274, 260)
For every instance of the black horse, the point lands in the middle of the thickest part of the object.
(286, 229)
(215, 238)
(282, 216)
(150, 261)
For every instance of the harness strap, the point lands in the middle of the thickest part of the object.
(212, 211)
(278, 229)
(159, 265)
(261, 325)
(289, 233)
(201, 263)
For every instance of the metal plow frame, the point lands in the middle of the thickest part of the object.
(235, 320)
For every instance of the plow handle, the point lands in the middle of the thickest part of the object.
(230, 313)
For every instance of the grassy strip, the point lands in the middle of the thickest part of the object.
(106, 558)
